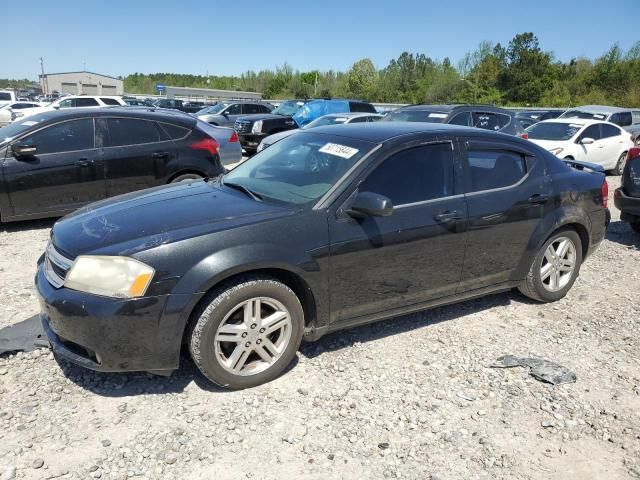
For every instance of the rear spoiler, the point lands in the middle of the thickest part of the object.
(578, 165)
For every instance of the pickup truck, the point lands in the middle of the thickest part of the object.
(252, 129)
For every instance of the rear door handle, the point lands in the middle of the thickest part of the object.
(84, 162)
(160, 155)
(537, 198)
(448, 216)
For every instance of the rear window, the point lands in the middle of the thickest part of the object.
(175, 132)
(110, 101)
(583, 115)
(415, 116)
(362, 107)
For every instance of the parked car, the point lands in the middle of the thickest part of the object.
(225, 114)
(626, 118)
(593, 141)
(169, 103)
(627, 197)
(291, 114)
(136, 102)
(11, 111)
(193, 107)
(82, 101)
(331, 119)
(56, 162)
(327, 229)
(485, 117)
(6, 97)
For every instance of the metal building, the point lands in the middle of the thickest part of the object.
(209, 94)
(81, 83)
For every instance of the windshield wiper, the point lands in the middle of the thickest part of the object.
(256, 196)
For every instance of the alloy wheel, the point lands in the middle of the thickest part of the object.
(558, 264)
(253, 336)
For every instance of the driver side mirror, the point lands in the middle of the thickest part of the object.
(369, 204)
(22, 150)
(587, 141)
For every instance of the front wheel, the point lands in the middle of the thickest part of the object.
(555, 267)
(248, 333)
(619, 168)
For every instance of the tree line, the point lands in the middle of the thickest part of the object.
(518, 74)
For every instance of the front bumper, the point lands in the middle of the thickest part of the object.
(113, 335)
(250, 141)
(629, 206)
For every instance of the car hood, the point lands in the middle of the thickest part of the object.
(134, 222)
(276, 137)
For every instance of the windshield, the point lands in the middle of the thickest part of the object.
(415, 116)
(583, 115)
(300, 168)
(288, 108)
(5, 96)
(16, 128)
(553, 131)
(326, 120)
(214, 109)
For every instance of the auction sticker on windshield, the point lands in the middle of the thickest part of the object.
(339, 150)
(438, 115)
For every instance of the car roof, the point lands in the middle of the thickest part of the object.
(453, 107)
(352, 114)
(574, 121)
(599, 109)
(379, 132)
(149, 113)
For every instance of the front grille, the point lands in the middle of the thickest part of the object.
(243, 126)
(56, 266)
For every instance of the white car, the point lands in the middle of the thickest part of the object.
(9, 112)
(593, 141)
(329, 119)
(81, 101)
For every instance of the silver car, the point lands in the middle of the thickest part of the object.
(224, 114)
(330, 119)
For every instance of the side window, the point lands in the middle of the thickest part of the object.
(463, 119)
(235, 109)
(635, 115)
(359, 120)
(495, 169)
(413, 175)
(609, 130)
(110, 101)
(68, 103)
(592, 131)
(174, 132)
(264, 109)
(503, 120)
(131, 131)
(251, 108)
(63, 137)
(87, 102)
(485, 120)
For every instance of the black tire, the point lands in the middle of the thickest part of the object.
(635, 226)
(533, 287)
(187, 176)
(619, 168)
(226, 300)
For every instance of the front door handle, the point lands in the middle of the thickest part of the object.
(538, 198)
(448, 216)
(84, 162)
(160, 155)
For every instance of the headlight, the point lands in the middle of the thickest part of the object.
(257, 127)
(118, 277)
(556, 151)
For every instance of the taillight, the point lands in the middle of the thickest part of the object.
(633, 153)
(208, 144)
(233, 138)
(604, 189)
(525, 136)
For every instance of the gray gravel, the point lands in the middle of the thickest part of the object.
(412, 397)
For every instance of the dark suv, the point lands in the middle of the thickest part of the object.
(627, 197)
(486, 117)
(292, 114)
(54, 162)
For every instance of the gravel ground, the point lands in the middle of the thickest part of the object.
(412, 397)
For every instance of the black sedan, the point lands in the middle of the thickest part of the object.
(326, 229)
(58, 161)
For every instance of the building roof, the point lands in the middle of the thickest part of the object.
(84, 71)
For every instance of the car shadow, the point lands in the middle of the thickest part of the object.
(141, 383)
(27, 225)
(622, 233)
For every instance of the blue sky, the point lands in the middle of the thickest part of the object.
(118, 37)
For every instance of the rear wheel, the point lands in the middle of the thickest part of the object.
(186, 177)
(619, 168)
(248, 334)
(635, 225)
(555, 267)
